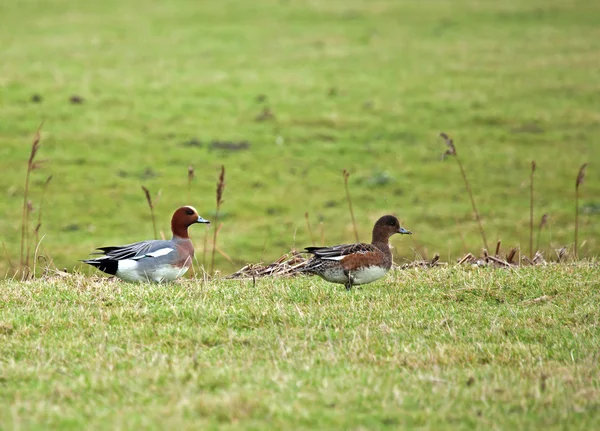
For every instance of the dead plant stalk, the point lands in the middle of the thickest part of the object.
(578, 183)
(31, 166)
(452, 152)
(151, 206)
(346, 176)
(533, 165)
(220, 189)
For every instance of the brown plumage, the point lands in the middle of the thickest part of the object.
(353, 264)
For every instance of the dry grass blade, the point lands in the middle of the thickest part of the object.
(452, 151)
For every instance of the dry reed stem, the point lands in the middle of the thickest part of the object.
(39, 220)
(31, 166)
(219, 192)
(151, 206)
(451, 151)
(27, 253)
(533, 166)
(308, 226)
(346, 175)
(460, 233)
(322, 228)
(190, 177)
(205, 246)
(8, 259)
(543, 223)
(578, 183)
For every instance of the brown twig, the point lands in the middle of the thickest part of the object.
(287, 265)
(220, 189)
(346, 176)
(151, 206)
(451, 151)
(579, 182)
(533, 165)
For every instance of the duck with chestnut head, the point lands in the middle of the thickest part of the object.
(152, 260)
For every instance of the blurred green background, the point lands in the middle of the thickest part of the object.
(287, 94)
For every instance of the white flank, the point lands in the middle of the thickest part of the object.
(127, 270)
(166, 273)
(368, 274)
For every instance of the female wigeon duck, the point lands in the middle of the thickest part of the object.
(353, 264)
(153, 260)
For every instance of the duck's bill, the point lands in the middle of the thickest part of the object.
(404, 231)
(201, 220)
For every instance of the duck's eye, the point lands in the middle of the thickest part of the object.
(189, 212)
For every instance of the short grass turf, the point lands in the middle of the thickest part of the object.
(438, 349)
(287, 94)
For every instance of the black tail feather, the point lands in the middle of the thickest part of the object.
(108, 266)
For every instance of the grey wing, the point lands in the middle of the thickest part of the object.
(341, 250)
(136, 250)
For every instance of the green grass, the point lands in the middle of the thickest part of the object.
(352, 84)
(438, 349)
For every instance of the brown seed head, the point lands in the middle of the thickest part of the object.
(580, 176)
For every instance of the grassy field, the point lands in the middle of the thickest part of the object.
(439, 349)
(288, 94)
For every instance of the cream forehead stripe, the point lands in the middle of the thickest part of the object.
(191, 208)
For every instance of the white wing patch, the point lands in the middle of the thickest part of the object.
(333, 258)
(158, 253)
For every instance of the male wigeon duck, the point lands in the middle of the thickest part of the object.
(153, 260)
(353, 264)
